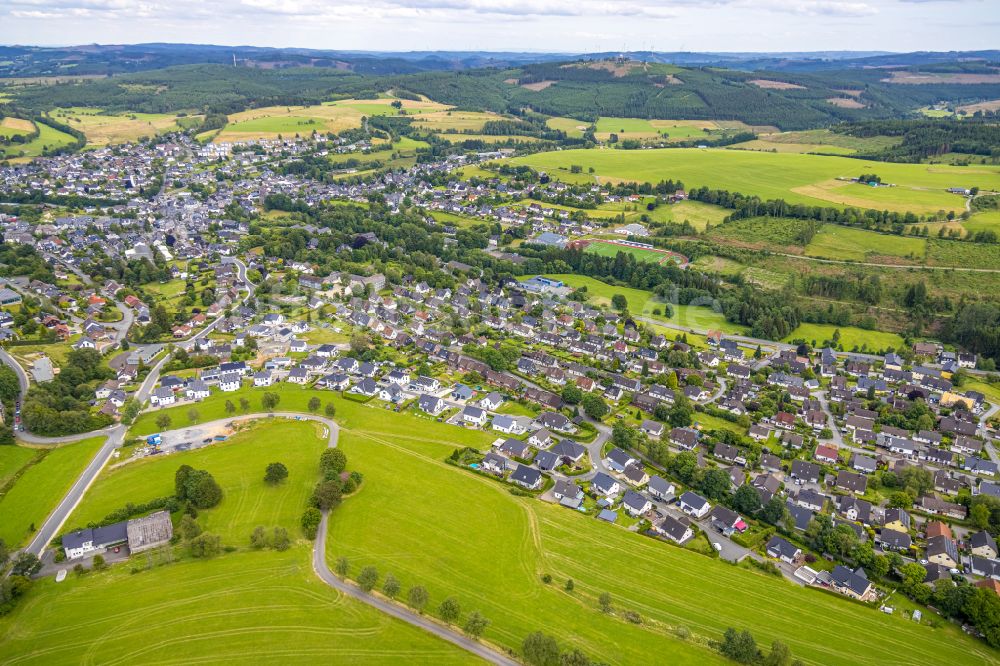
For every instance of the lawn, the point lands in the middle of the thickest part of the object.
(808, 179)
(13, 459)
(699, 215)
(465, 536)
(850, 337)
(641, 254)
(574, 128)
(846, 243)
(26, 505)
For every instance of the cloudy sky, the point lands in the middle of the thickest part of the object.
(533, 25)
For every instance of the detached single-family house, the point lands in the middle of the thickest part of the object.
(982, 544)
(162, 397)
(197, 390)
(635, 504)
(660, 488)
(230, 381)
(474, 415)
(491, 401)
(783, 550)
(853, 584)
(676, 529)
(526, 477)
(430, 404)
(508, 424)
(602, 484)
(694, 504)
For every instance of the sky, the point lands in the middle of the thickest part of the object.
(572, 26)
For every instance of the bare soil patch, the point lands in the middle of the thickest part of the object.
(845, 102)
(918, 78)
(990, 105)
(776, 85)
(538, 85)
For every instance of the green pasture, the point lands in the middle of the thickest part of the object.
(846, 243)
(851, 337)
(796, 178)
(36, 493)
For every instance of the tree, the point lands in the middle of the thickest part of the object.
(475, 624)
(206, 545)
(341, 567)
(197, 486)
(193, 415)
(746, 500)
(330, 410)
(449, 610)
(774, 511)
(979, 515)
(912, 575)
(417, 598)
(619, 302)
(310, 522)
(280, 539)
(540, 649)
(327, 495)
(188, 527)
(99, 563)
(130, 410)
(314, 404)
(572, 395)
(269, 401)
(230, 407)
(244, 405)
(275, 473)
(163, 421)
(569, 585)
(390, 587)
(4, 553)
(594, 406)
(779, 655)
(605, 602)
(332, 462)
(258, 538)
(740, 646)
(368, 578)
(26, 564)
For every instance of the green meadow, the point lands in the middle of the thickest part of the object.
(48, 138)
(26, 505)
(238, 465)
(465, 536)
(851, 337)
(846, 243)
(642, 302)
(797, 178)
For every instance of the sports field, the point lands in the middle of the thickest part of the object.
(851, 337)
(808, 179)
(612, 248)
(238, 465)
(465, 536)
(40, 487)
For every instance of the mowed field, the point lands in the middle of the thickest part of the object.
(611, 249)
(465, 536)
(816, 141)
(103, 129)
(837, 242)
(238, 465)
(10, 126)
(239, 608)
(24, 507)
(674, 130)
(797, 178)
(268, 122)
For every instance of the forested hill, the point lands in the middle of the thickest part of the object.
(582, 89)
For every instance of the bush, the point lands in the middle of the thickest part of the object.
(450, 610)
(368, 578)
(417, 598)
(280, 540)
(206, 545)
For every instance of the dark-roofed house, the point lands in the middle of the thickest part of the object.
(618, 460)
(942, 550)
(807, 471)
(602, 484)
(86, 541)
(982, 544)
(660, 488)
(526, 477)
(801, 516)
(694, 504)
(675, 529)
(431, 404)
(854, 584)
(783, 550)
(564, 489)
(635, 504)
(894, 540)
(855, 483)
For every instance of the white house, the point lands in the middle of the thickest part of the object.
(508, 424)
(694, 504)
(229, 382)
(161, 397)
(474, 415)
(263, 378)
(197, 390)
(491, 401)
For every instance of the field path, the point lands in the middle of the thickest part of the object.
(868, 263)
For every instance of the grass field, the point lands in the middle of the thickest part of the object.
(846, 243)
(268, 122)
(25, 506)
(699, 318)
(640, 128)
(48, 137)
(465, 536)
(238, 465)
(459, 121)
(244, 607)
(699, 215)
(13, 459)
(817, 141)
(11, 126)
(486, 138)
(102, 128)
(808, 179)
(574, 128)
(850, 337)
